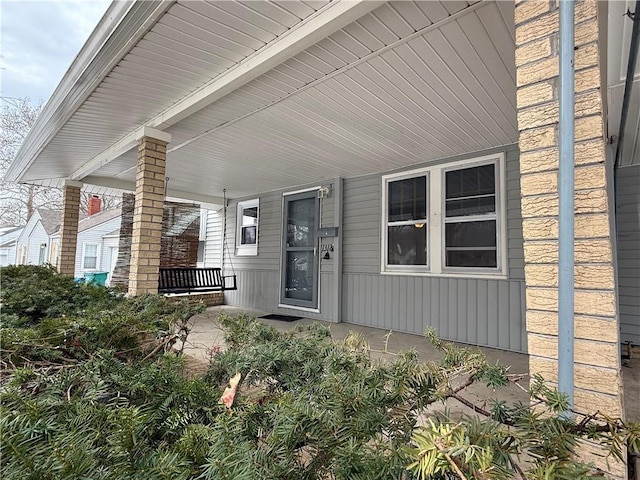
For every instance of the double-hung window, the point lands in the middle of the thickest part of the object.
(445, 219)
(247, 228)
(471, 217)
(90, 256)
(407, 223)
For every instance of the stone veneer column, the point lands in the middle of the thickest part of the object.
(147, 216)
(69, 228)
(598, 384)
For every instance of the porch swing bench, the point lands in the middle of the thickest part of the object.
(194, 280)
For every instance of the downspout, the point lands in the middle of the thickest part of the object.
(566, 204)
(628, 83)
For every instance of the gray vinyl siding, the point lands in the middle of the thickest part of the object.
(213, 239)
(258, 277)
(487, 312)
(628, 235)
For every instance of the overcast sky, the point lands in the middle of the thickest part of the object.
(40, 39)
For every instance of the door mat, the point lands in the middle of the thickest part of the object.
(284, 318)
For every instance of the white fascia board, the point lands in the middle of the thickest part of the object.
(307, 33)
(71, 183)
(146, 131)
(119, 148)
(127, 186)
(121, 27)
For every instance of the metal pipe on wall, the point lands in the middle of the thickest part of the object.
(566, 203)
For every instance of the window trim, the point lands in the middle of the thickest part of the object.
(42, 254)
(252, 249)
(436, 219)
(53, 253)
(84, 254)
(414, 269)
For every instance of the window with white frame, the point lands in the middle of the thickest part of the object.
(407, 221)
(42, 253)
(247, 227)
(23, 254)
(445, 219)
(53, 255)
(90, 256)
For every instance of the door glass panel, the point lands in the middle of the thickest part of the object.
(300, 277)
(300, 260)
(300, 231)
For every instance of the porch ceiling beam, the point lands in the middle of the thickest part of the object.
(318, 26)
(119, 184)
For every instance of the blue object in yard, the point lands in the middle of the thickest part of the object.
(99, 278)
(79, 280)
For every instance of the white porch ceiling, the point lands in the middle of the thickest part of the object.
(407, 83)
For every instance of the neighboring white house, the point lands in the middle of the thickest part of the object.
(110, 243)
(38, 242)
(8, 241)
(97, 243)
(211, 231)
(34, 243)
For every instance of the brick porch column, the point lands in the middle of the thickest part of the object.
(69, 227)
(147, 216)
(598, 384)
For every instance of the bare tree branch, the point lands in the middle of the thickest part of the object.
(18, 201)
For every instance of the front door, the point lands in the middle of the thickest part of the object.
(299, 250)
(113, 255)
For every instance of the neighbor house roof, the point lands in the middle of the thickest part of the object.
(10, 231)
(114, 233)
(50, 220)
(10, 236)
(98, 218)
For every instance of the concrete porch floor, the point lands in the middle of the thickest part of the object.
(206, 334)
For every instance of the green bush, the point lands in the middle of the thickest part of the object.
(91, 396)
(307, 408)
(30, 293)
(47, 317)
(104, 419)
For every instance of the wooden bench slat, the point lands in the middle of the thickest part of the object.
(192, 279)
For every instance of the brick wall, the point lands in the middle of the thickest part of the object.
(178, 244)
(209, 299)
(69, 229)
(147, 216)
(120, 276)
(597, 360)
